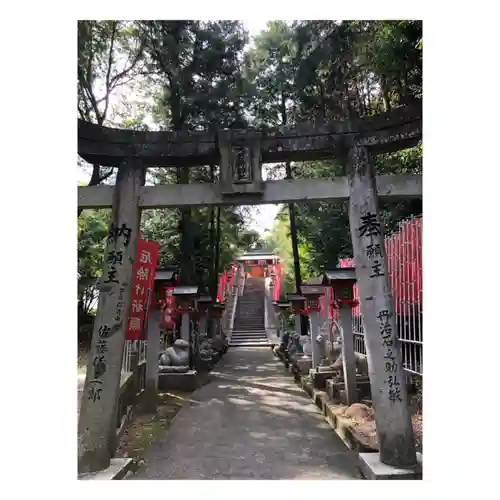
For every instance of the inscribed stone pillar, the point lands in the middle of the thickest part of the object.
(348, 356)
(387, 377)
(97, 421)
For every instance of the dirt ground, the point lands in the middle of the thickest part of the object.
(144, 429)
(361, 419)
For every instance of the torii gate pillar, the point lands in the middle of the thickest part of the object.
(387, 377)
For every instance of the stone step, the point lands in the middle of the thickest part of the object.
(243, 322)
(248, 339)
(247, 331)
(248, 335)
(247, 328)
(252, 323)
(250, 343)
(250, 319)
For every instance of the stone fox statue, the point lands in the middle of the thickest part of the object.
(334, 352)
(175, 358)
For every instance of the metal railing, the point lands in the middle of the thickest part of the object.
(404, 256)
(131, 349)
(127, 356)
(230, 297)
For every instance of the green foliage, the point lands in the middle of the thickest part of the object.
(196, 75)
(332, 70)
(92, 230)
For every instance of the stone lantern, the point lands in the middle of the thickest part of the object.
(203, 305)
(185, 298)
(165, 281)
(298, 303)
(312, 295)
(216, 311)
(342, 281)
(162, 315)
(281, 308)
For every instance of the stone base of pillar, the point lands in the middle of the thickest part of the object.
(118, 469)
(178, 381)
(320, 377)
(372, 468)
(336, 390)
(303, 365)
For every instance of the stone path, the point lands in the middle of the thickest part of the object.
(250, 422)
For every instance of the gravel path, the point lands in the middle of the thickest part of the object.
(250, 422)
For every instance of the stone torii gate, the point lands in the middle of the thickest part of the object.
(240, 154)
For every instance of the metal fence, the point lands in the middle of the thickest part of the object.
(131, 349)
(404, 256)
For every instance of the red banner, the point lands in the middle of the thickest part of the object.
(142, 288)
(167, 321)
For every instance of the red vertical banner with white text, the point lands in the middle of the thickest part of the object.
(142, 288)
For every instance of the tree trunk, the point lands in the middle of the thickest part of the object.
(217, 252)
(212, 273)
(295, 249)
(385, 94)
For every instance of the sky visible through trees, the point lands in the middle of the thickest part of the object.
(263, 216)
(201, 75)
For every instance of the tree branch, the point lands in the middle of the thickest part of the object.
(110, 65)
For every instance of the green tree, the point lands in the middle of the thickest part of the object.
(197, 65)
(92, 231)
(344, 70)
(110, 54)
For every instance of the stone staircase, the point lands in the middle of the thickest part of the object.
(249, 325)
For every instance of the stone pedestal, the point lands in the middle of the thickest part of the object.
(178, 381)
(303, 365)
(320, 377)
(335, 388)
(118, 469)
(372, 468)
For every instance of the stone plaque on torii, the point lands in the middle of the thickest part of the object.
(240, 154)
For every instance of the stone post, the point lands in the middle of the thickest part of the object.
(270, 307)
(152, 356)
(348, 356)
(97, 421)
(298, 328)
(185, 326)
(387, 377)
(203, 324)
(314, 319)
(194, 343)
